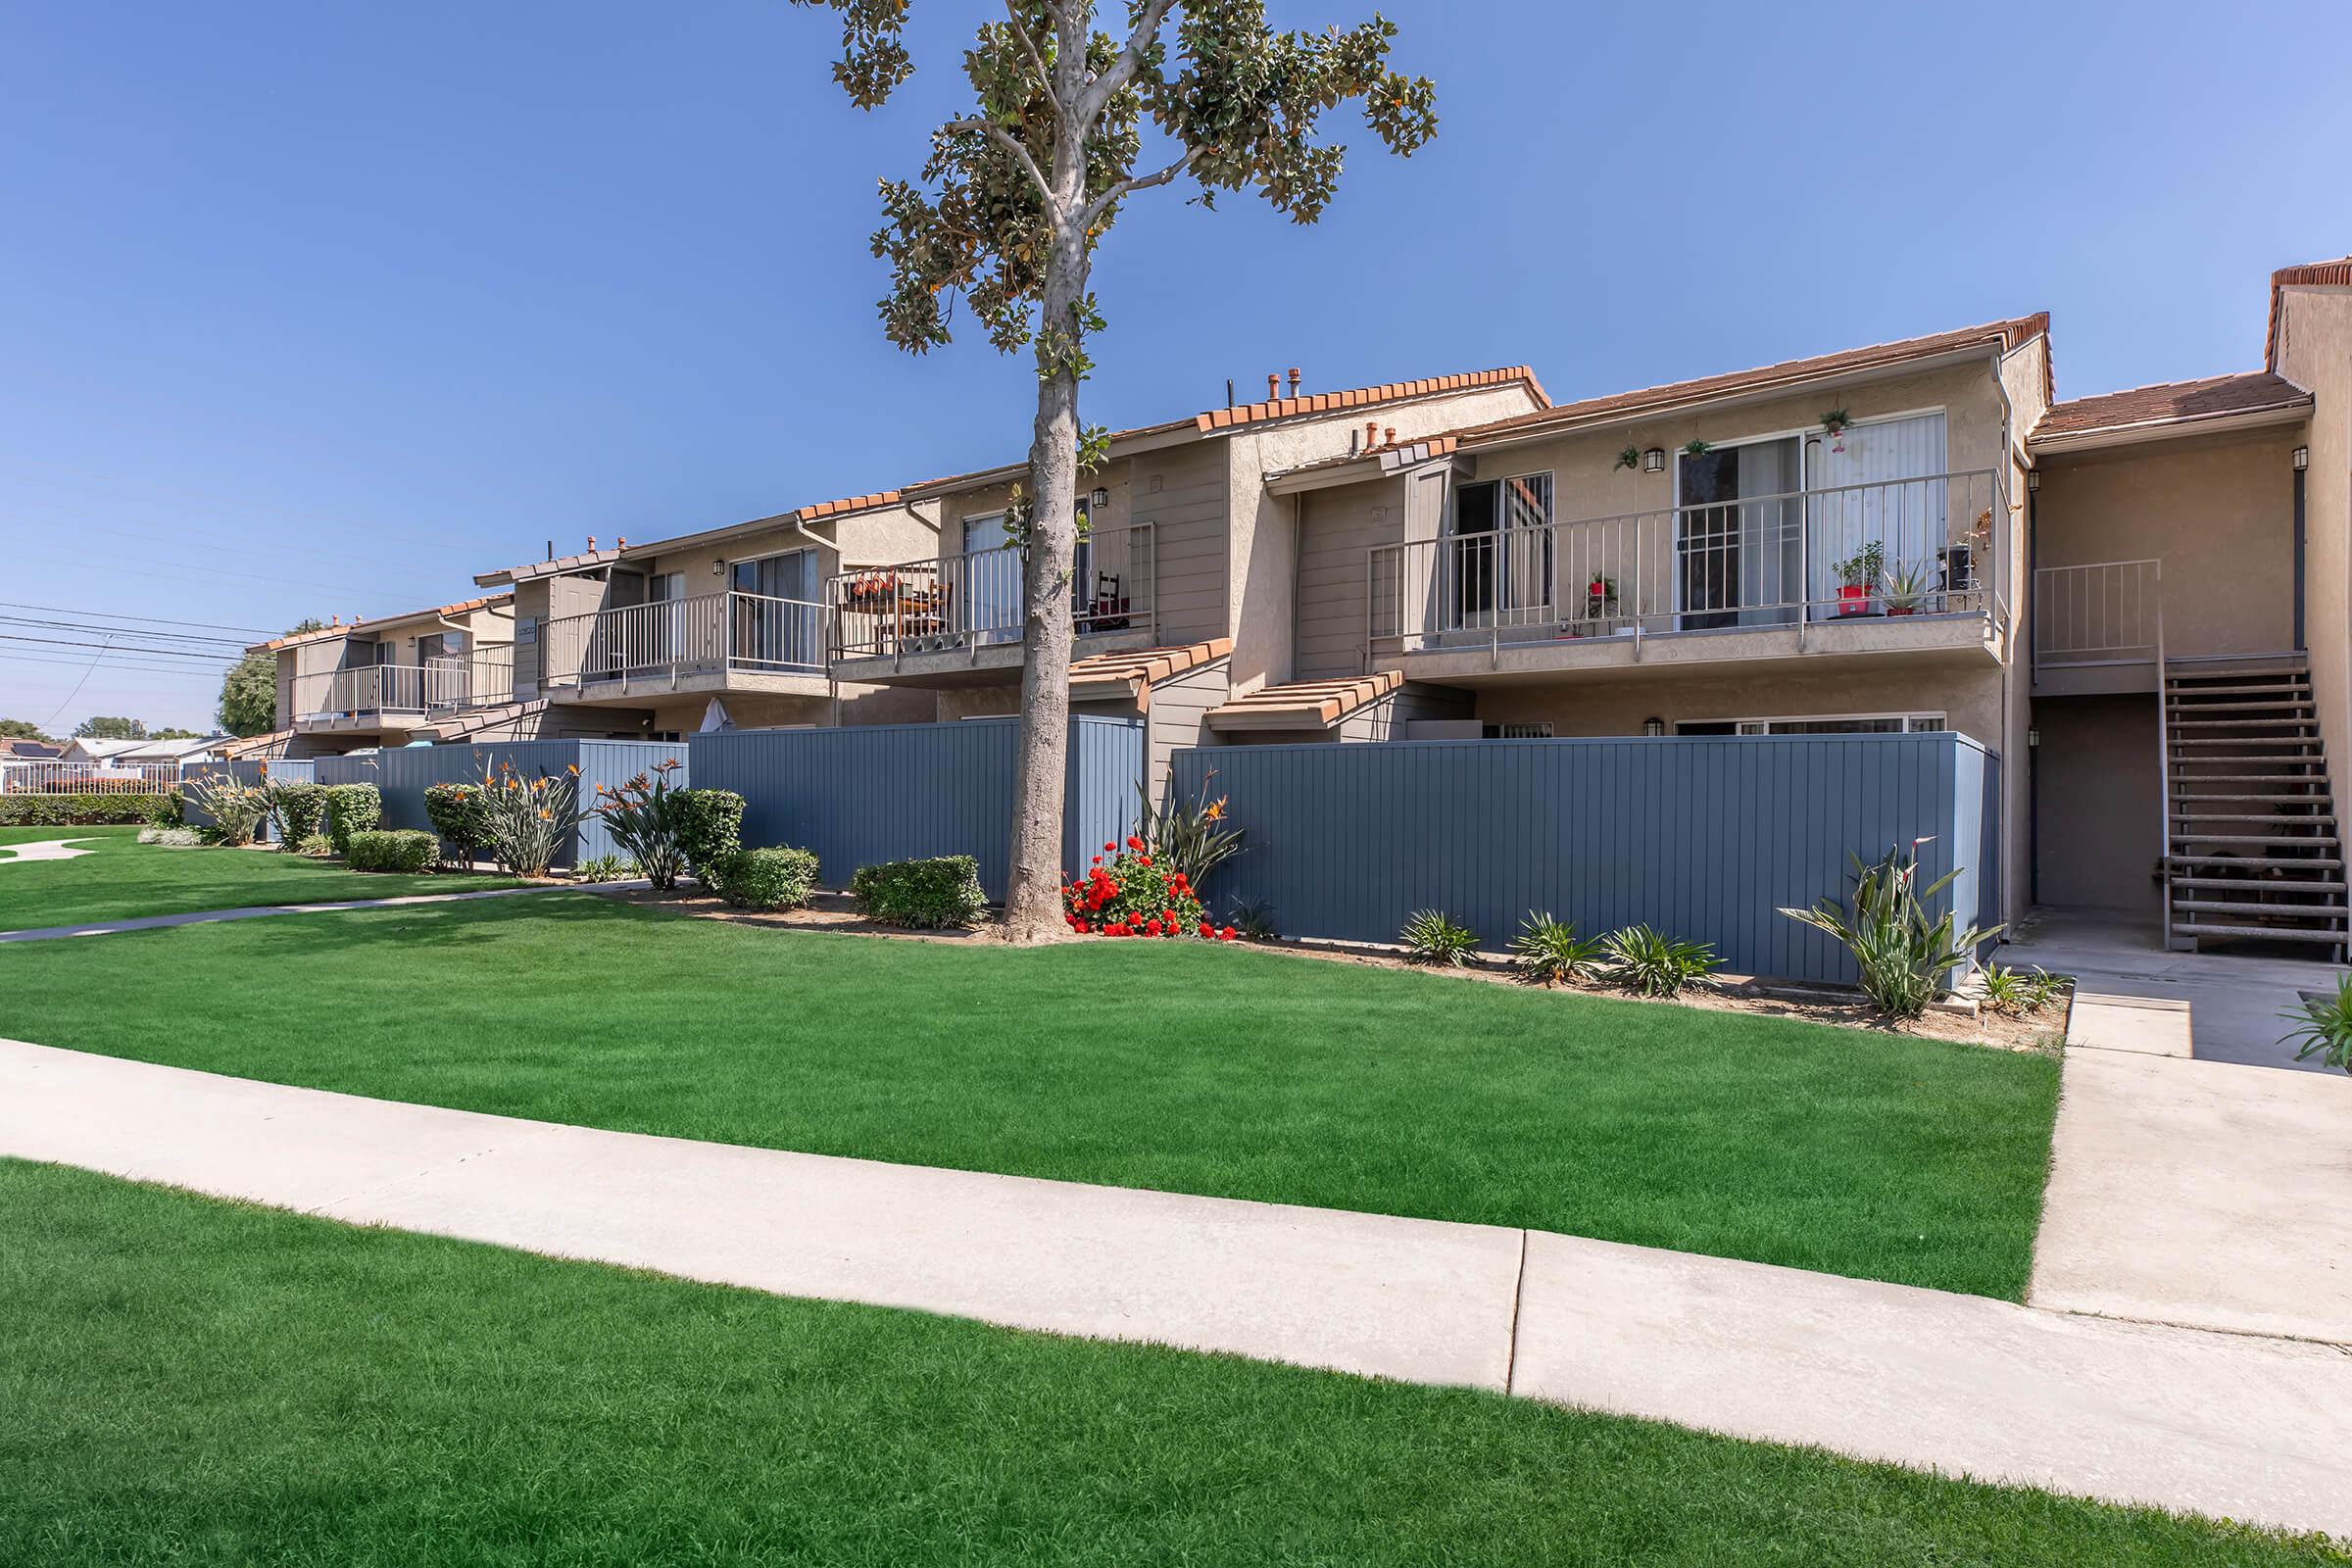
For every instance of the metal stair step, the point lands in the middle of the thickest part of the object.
(2242, 883)
(2260, 862)
(2309, 743)
(2315, 820)
(2248, 800)
(2301, 684)
(2272, 933)
(2292, 912)
(2245, 724)
(2314, 840)
(2288, 705)
(2276, 666)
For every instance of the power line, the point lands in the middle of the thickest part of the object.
(113, 667)
(213, 659)
(108, 614)
(205, 641)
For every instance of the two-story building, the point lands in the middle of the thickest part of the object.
(424, 676)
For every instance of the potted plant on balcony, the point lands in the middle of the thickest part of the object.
(1835, 422)
(1600, 598)
(1905, 587)
(1856, 575)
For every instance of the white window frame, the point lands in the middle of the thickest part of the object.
(1466, 620)
(1915, 722)
(1531, 731)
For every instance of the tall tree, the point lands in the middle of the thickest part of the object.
(1015, 195)
(20, 729)
(106, 728)
(249, 690)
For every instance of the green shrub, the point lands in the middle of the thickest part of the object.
(461, 814)
(1138, 895)
(1254, 920)
(642, 815)
(236, 809)
(351, 809)
(2322, 1027)
(1649, 964)
(1193, 839)
(605, 868)
(396, 850)
(771, 879)
(1431, 937)
(86, 810)
(317, 845)
(171, 838)
(1904, 956)
(709, 829)
(935, 893)
(297, 807)
(2015, 993)
(1550, 953)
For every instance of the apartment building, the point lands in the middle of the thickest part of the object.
(421, 676)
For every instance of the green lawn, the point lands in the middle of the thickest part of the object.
(197, 1383)
(122, 879)
(1180, 1066)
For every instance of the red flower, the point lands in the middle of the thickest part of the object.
(1097, 859)
(1144, 860)
(1114, 930)
(1107, 847)
(1225, 933)
(1081, 925)
(1208, 930)
(1151, 927)
(1134, 843)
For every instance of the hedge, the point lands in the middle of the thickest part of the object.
(351, 809)
(769, 879)
(86, 810)
(940, 892)
(299, 808)
(709, 830)
(396, 850)
(461, 814)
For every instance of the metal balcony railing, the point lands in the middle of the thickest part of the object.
(2106, 612)
(977, 598)
(1925, 546)
(483, 677)
(671, 638)
(361, 692)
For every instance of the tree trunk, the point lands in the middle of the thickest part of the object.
(1033, 909)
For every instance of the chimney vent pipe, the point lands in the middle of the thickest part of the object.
(1294, 380)
(1273, 386)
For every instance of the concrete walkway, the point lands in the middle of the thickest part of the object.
(2228, 1425)
(42, 850)
(158, 923)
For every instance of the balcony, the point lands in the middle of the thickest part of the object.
(2098, 627)
(1894, 568)
(457, 683)
(958, 619)
(716, 643)
(365, 697)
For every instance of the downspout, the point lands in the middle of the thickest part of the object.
(2302, 645)
(2023, 764)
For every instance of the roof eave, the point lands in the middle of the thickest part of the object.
(2138, 431)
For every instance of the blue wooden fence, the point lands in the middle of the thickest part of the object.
(403, 774)
(1702, 838)
(867, 793)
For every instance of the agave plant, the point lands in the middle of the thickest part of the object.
(1194, 839)
(237, 809)
(1903, 954)
(1550, 953)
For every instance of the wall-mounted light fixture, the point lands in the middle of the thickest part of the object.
(1102, 501)
(1653, 726)
(2033, 478)
(1654, 460)
(719, 568)
(2302, 458)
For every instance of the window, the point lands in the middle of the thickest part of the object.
(1831, 724)
(1514, 732)
(1498, 564)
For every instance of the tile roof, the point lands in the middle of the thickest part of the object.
(2005, 335)
(582, 562)
(835, 508)
(2171, 403)
(270, 745)
(1145, 668)
(2312, 275)
(1303, 703)
(1392, 455)
(1365, 397)
(346, 628)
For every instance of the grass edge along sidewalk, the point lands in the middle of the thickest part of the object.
(1185, 1069)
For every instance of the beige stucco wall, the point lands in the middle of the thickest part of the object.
(2095, 806)
(2218, 512)
(2314, 352)
(1969, 699)
(883, 535)
(1338, 528)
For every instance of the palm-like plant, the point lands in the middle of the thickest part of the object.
(2322, 1027)
(1194, 839)
(1650, 964)
(1903, 954)
(1550, 953)
(1429, 937)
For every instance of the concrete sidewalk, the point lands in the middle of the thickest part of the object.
(2228, 1425)
(258, 911)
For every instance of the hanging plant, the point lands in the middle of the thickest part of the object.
(1835, 421)
(1697, 449)
(1629, 458)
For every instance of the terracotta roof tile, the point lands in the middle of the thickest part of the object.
(1142, 668)
(1360, 397)
(835, 508)
(1303, 703)
(2007, 336)
(346, 628)
(2213, 397)
(2312, 275)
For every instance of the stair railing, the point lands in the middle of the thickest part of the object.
(2164, 765)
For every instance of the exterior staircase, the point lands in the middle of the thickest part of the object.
(2253, 850)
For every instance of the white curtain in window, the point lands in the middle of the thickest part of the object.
(1900, 502)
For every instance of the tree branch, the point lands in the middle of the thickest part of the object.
(1045, 77)
(1128, 187)
(1012, 144)
(1104, 87)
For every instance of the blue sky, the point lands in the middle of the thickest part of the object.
(320, 307)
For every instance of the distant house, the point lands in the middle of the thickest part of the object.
(95, 749)
(24, 751)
